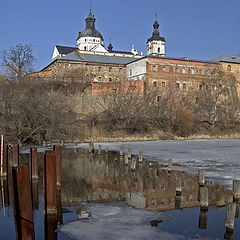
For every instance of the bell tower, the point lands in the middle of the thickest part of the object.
(156, 44)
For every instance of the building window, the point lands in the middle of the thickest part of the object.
(110, 69)
(192, 70)
(120, 70)
(159, 50)
(206, 72)
(200, 71)
(154, 68)
(184, 85)
(163, 84)
(99, 69)
(183, 70)
(85, 48)
(87, 78)
(93, 40)
(176, 70)
(196, 99)
(66, 65)
(163, 69)
(158, 98)
(87, 67)
(200, 87)
(229, 67)
(130, 72)
(100, 79)
(206, 87)
(110, 79)
(178, 85)
(154, 84)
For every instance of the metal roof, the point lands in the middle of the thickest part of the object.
(84, 57)
(65, 50)
(226, 58)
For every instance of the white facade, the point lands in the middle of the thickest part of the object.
(156, 47)
(90, 43)
(136, 70)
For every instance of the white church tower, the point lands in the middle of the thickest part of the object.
(90, 39)
(156, 44)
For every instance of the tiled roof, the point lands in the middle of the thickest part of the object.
(226, 58)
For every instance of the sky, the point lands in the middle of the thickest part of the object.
(198, 29)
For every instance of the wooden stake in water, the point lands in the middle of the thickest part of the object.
(230, 215)
(169, 166)
(121, 150)
(140, 157)
(204, 198)
(236, 190)
(201, 178)
(1, 156)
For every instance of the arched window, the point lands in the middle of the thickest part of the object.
(159, 50)
(87, 67)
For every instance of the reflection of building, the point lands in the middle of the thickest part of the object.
(105, 65)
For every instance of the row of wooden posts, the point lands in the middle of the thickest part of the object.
(22, 178)
(231, 207)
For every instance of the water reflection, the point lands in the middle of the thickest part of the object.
(97, 178)
(108, 177)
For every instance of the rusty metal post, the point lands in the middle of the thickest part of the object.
(49, 183)
(16, 155)
(4, 163)
(22, 202)
(33, 163)
(35, 194)
(50, 227)
(58, 152)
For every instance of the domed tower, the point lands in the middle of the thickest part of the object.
(156, 44)
(90, 39)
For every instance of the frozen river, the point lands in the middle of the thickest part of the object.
(219, 157)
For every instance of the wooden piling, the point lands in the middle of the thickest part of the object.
(1, 154)
(91, 147)
(58, 153)
(178, 186)
(129, 155)
(230, 216)
(22, 202)
(203, 198)
(125, 159)
(4, 194)
(201, 178)
(35, 194)
(140, 157)
(50, 227)
(236, 190)
(178, 202)
(33, 163)
(203, 217)
(4, 162)
(106, 149)
(49, 183)
(150, 164)
(169, 166)
(133, 164)
(121, 150)
(99, 149)
(16, 155)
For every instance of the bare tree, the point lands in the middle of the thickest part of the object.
(18, 61)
